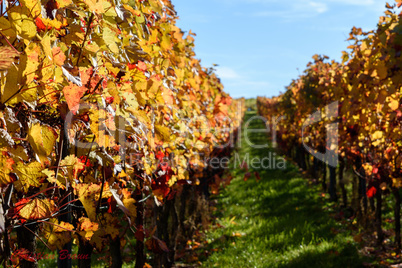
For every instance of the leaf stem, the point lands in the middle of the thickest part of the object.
(85, 38)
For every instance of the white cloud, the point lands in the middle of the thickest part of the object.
(227, 73)
(354, 2)
(295, 9)
(319, 7)
(291, 2)
(240, 85)
(298, 9)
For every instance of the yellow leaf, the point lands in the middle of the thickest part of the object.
(34, 6)
(95, 6)
(42, 139)
(22, 22)
(129, 203)
(394, 104)
(377, 135)
(6, 29)
(109, 228)
(10, 90)
(109, 37)
(110, 225)
(381, 71)
(45, 42)
(57, 233)
(63, 3)
(166, 43)
(28, 175)
(51, 178)
(163, 133)
(31, 62)
(49, 23)
(72, 165)
(86, 194)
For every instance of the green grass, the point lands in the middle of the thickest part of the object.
(250, 103)
(281, 220)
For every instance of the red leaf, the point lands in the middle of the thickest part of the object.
(109, 100)
(371, 192)
(156, 245)
(257, 176)
(160, 155)
(13, 212)
(112, 204)
(85, 160)
(131, 66)
(247, 176)
(139, 234)
(375, 170)
(171, 195)
(164, 166)
(40, 25)
(244, 165)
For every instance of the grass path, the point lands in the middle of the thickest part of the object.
(279, 221)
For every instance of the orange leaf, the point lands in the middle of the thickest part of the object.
(87, 228)
(58, 56)
(6, 164)
(73, 95)
(167, 96)
(35, 209)
(141, 66)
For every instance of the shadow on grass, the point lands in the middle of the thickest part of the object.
(276, 222)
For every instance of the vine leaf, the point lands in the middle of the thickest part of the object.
(86, 193)
(71, 166)
(87, 228)
(156, 245)
(22, 22)
(58, 56)
(33, 209)
(57, 233)
(42, 139)
(7, 57)
(37, 209)
(6, 166)
(60, 181)
(28, 175)
(394, 104)
(73, 95)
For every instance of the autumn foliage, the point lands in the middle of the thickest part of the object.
(366, 91)
(105, 115)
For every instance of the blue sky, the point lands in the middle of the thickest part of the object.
(261, 45)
